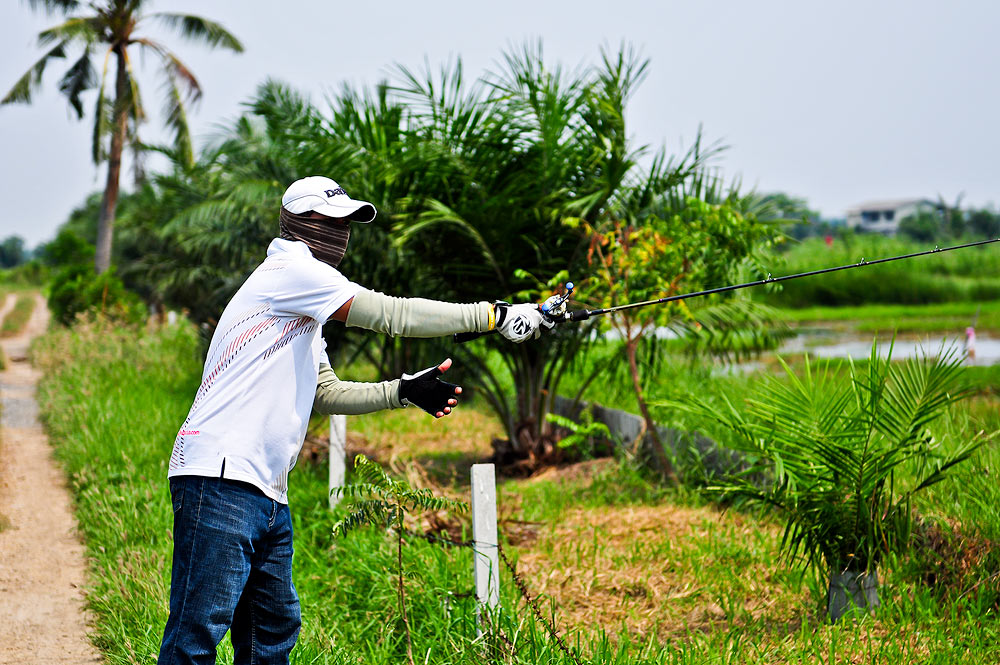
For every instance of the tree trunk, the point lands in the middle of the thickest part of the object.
(119, 129)
(402, 593)
(659, 454)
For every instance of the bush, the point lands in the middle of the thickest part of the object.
(32, 273)
(77, 289)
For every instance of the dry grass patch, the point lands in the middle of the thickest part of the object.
(445, 447)
(661, 570)
(411, 433)
(579, 471)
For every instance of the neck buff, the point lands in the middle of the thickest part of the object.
(326, 241)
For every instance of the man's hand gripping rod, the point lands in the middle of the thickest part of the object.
(553, 309)
(559, 314)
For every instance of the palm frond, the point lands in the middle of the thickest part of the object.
(132, 103)
(176, 76)
(78, 78)
(439, 215)
(919, 391)
(85, 29)
(103, 115)
(52, 6)
(200, 29)
(31, 79)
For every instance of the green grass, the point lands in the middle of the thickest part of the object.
(632, 572)
(937, 317)
(17, 318)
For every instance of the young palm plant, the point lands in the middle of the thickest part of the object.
(843, 459)
(382, 501)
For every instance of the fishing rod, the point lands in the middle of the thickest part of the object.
(554, 309)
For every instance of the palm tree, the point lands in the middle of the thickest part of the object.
(112, 28)
(475, 182)
(844, 458)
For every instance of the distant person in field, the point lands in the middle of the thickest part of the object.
(266, 370)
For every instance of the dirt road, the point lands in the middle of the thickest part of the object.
(42, 568)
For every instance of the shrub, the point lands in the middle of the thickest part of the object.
(838, 452)
(77, 289)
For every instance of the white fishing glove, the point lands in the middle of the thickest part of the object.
(520, 322)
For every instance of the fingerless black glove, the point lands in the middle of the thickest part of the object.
(427, 391)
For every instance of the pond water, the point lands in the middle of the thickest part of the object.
(826, 344)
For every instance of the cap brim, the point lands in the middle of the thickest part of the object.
(356, 211)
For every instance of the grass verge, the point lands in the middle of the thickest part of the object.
(17, 318)
(936, 317)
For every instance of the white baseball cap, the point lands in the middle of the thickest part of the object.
(326, 197)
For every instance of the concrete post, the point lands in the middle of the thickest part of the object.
(338, 465)
(486, 559)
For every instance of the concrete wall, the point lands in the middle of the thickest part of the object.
(686, 448)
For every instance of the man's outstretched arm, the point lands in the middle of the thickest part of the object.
(352, 397)
(420, 317)
(414, 317)
(425, 389)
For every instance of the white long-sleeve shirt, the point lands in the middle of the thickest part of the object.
(260, 381)
(250, 414)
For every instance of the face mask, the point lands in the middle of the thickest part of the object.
(326, 240)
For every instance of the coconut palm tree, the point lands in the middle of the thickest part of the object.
(112, 31)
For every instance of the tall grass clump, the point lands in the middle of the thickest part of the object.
(112, 399)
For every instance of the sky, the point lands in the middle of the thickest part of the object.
(838, 103)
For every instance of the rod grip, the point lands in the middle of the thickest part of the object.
(463, 337)
(577, 315)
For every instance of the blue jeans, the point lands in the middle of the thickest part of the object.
(232, 570)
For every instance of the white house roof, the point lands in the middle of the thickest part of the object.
(886, 204)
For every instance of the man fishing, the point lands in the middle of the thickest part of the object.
(265, 371)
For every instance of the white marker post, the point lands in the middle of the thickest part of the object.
(486, 560)
(338, 465)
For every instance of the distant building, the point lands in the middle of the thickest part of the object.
(884, 216)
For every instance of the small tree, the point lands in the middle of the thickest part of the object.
(845, 458)
(12, 252)
(922, 226)
(670, 247)
(386, 502)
